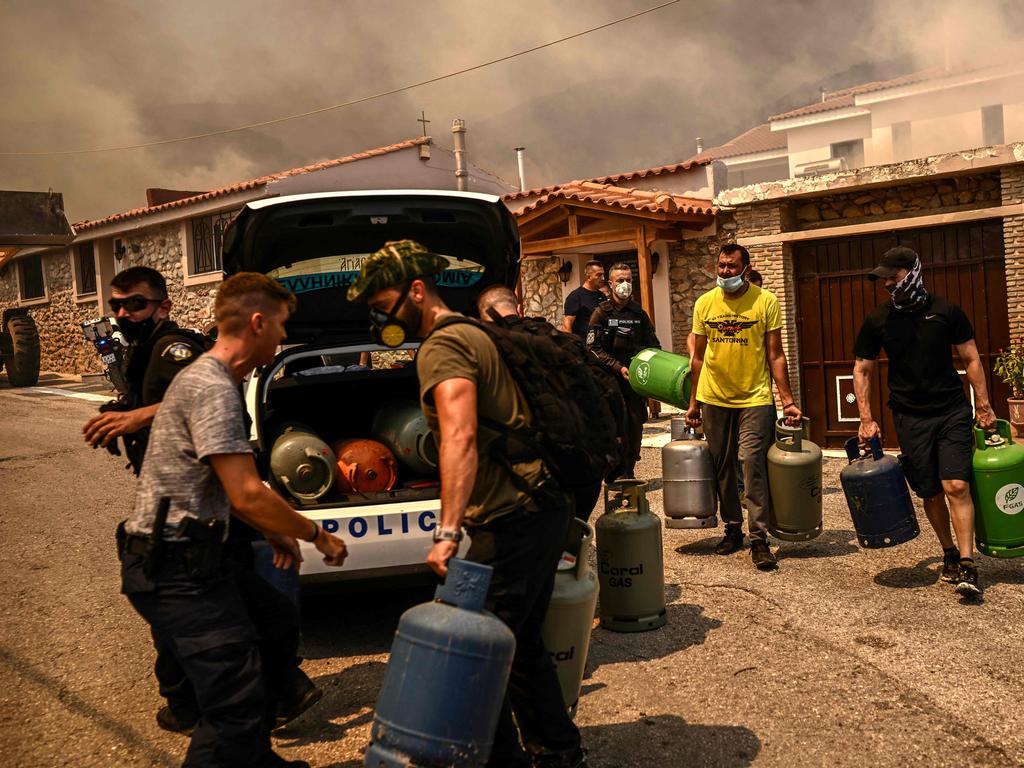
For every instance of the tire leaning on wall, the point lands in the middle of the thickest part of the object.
(20, 348)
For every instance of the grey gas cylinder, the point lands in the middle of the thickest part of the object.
(402, 427)
(302, 463)
(630, 563)
(690, 486)
(570, 616)
(794, 479)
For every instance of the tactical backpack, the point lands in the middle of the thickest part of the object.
(578, 413)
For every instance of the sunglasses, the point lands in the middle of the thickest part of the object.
(131, 303)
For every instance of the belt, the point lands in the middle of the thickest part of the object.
(140, 545)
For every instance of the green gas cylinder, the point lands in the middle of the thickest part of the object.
(794, 479)
(570, 616)
(661, 375)
(998, 492)
(630, 562)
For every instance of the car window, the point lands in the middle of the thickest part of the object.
(334, 272)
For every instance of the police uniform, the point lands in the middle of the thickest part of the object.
(615, 335)
(150, 366)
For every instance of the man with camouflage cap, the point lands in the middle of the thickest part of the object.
(516, 515)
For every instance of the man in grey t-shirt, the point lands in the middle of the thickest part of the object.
(198, 470)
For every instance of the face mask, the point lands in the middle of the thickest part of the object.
(387, 328)
(730, 284)
(136, 332)
(624, 290)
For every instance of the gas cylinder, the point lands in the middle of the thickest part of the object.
(876, 491)
(794, 479)
(661, 375)
(302, 463)
(630, 565)
(570, 616)
(445, 680)
(998, 492)
(690, 497)
(402, 427)
(364, 466)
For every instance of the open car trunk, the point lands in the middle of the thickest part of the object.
(341, 405)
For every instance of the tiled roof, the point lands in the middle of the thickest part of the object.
(685, 165)
(619, 197)
(846, 97)
(244, 186)
(758, 139)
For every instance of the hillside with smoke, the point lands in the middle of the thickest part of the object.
(112, 72)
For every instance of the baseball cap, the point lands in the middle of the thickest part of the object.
(893, 261)
(396, 262)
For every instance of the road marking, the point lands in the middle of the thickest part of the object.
(62, 393)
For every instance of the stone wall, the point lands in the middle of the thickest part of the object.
(1012, 184)
(692, 272)
(161, 248)
(542, 290)
(935, 196)
(62, 347)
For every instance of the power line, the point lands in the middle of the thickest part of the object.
(353, 102)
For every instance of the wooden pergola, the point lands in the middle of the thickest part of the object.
(586, 216)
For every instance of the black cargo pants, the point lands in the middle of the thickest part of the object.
(524, 548)
(636, 413)
(211, 628)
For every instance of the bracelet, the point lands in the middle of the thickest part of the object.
(788, 404)
(316, 533)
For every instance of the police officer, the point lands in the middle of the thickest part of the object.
(199, 472)
(619, 328)
(157, 351)
(516, 515)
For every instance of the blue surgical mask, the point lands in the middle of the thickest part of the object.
(730, 284)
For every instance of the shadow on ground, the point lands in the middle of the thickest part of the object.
(664, 740)
(910, 577)
(687, 626)
(348, 702)
(831, 543)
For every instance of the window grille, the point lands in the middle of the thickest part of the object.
(85, 269)
(31, 278)
(207, 242)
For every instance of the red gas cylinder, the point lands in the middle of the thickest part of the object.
(364, 466)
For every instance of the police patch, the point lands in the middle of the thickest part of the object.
(179, 352)
(591, 336)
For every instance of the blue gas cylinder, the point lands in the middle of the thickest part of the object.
(876, 491)
(445, 680)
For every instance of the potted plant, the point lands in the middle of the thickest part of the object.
(1009, 366)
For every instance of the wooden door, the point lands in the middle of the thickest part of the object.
(963, 262)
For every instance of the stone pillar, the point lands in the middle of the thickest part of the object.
(1012, 185)
(542, 290)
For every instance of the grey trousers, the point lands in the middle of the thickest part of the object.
(747, 433)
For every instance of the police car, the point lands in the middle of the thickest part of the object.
(315, 244)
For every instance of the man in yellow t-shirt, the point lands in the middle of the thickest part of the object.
(737, 352)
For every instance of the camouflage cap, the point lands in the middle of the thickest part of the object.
(392, 265)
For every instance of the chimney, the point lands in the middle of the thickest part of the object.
(700, 145)
(459, 137)
(521, 160)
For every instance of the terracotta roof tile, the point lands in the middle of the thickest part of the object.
(684, 165)
(620, 197)
(244, 186)
(757, 139)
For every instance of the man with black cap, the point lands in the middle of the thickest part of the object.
(932, 416)
(516, 515)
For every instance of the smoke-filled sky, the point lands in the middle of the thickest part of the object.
(113, 72)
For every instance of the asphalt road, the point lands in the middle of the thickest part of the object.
(844, 657)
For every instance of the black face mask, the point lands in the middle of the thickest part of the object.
(136, 332)
(389, 330)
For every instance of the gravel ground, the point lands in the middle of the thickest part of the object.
(843, 657)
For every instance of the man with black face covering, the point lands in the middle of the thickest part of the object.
(157, 351)
(932, 416)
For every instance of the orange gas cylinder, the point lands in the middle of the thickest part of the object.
(364, 466)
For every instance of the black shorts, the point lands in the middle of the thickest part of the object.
(935, 448)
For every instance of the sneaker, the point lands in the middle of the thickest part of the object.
(761, 555)
(731, 542)
(950, 565)
(967, 579)
(169, 721)
(573, 758)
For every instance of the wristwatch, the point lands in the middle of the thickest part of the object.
(443, 534)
